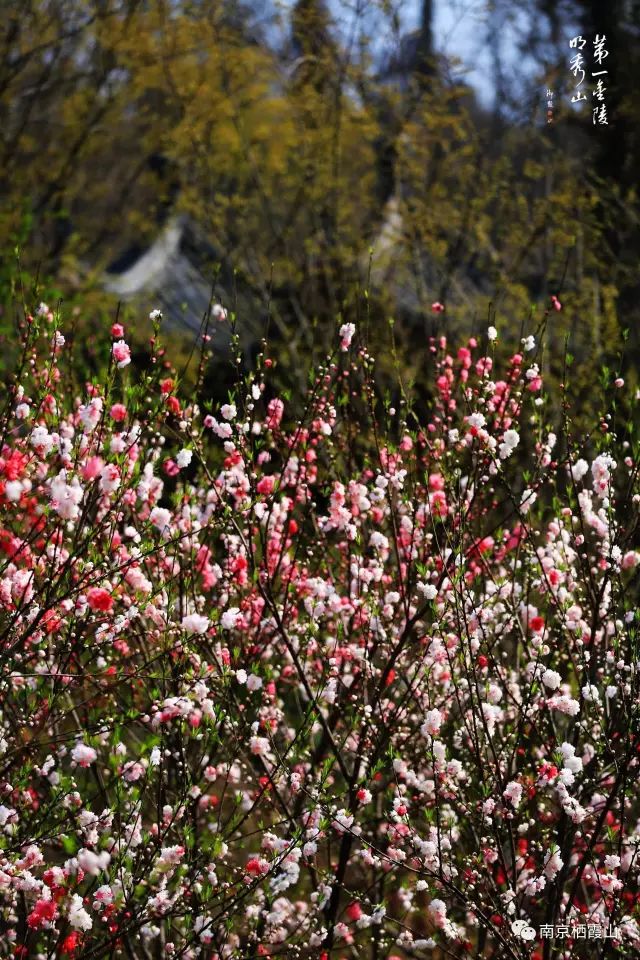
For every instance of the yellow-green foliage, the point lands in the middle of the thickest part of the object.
(114, 112)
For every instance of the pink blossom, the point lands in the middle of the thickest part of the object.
(347, 331)
(121, 353)
(83, 755)
(275, 409)
(195, 623)
(513, 793)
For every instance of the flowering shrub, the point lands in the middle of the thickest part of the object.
(360, 684)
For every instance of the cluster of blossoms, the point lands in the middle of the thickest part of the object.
(267, 689)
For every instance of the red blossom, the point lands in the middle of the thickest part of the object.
(354, 911)
(70, 944)
(44, 911)
(99, 599)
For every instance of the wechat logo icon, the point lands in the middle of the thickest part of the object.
(522, 929)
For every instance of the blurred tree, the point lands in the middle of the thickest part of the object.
(292, 151)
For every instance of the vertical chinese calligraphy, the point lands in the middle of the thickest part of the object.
(549, 105)
(579, 66)
(599, 54)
